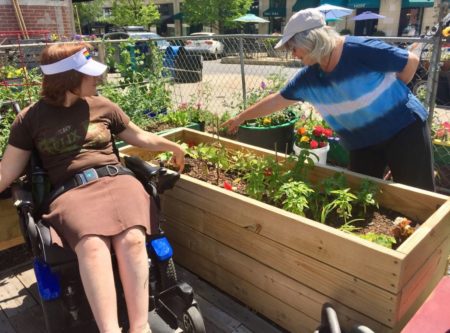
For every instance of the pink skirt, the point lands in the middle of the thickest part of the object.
(106, 207)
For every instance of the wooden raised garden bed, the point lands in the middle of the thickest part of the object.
(10, 234)
(286, 266)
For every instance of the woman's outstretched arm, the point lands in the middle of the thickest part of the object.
(12, 165)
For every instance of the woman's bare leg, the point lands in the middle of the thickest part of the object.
(94, 259)
(131, 254)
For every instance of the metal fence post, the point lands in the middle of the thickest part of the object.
(433, 76)
(241, 58)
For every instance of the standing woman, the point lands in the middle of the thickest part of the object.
(71, 129)
(358, 85)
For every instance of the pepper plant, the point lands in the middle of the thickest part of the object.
(294, 197)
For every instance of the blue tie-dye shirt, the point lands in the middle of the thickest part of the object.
(361, 99)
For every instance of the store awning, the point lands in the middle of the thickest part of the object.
(178, 16)
(417, 3)
(303, 4)
(341, 3)
(363, 4)
(274, 11)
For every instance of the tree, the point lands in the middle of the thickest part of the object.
(88, 12)
(133, 12)
(215, 13)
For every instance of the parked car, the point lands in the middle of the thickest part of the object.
(208, 47)
(139, 35)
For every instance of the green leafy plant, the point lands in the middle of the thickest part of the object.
(381, 239)
(366, 195)
(7, 117)
(196, 113)
(255, 178)
(177, 118)
(324, 195)
(341, 204)
(294, 197)
(141, 90)
(24, 88)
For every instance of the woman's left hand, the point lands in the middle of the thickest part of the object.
(178, 157)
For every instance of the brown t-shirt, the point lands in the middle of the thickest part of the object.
(71, 139)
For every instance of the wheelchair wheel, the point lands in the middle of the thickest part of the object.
(193, 321)
(168, 274)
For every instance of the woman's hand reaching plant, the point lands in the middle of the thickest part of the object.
(178, 157)
(232, 124)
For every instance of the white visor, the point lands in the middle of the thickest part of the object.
(80, 61)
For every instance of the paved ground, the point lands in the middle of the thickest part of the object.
(20, 311)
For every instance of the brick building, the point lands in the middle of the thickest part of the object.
(53, 15)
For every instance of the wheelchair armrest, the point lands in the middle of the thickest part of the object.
(167, 180)
(143, 171)
(146, 173)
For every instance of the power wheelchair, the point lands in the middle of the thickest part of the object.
(64, 303)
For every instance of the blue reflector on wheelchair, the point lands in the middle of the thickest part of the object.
(47, 281)
(162, 248)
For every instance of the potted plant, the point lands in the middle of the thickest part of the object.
(313, 135)
(197, 113)
(286, 266)
(275, 131)
(332, 152)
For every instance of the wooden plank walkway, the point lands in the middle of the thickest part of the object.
(21, 312)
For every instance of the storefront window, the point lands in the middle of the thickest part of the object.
(410, 22)
(254, 8)
(278, 3)
(277, 19)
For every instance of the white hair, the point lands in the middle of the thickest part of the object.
(318, 42)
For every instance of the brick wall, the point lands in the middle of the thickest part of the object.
(57, 19)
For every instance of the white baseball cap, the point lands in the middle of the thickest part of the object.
(303, 20)
(81, 62)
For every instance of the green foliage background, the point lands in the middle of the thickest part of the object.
(215, 13)
(133, 12)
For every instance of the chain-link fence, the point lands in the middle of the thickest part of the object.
(219, 72)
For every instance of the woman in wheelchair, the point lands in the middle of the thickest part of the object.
(99, 205)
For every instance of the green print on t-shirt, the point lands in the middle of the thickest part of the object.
(60, 143)
(96, 137)
(85, 137)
